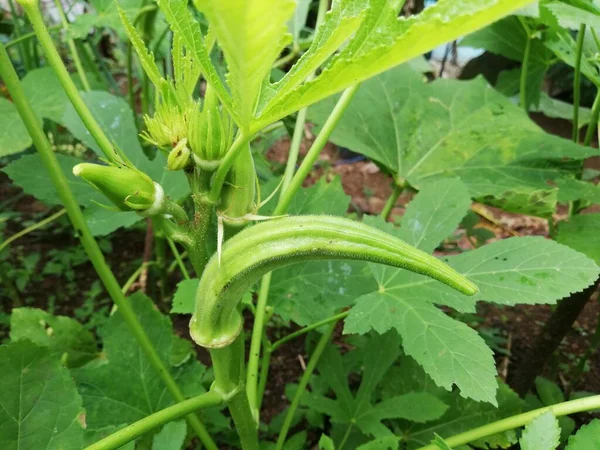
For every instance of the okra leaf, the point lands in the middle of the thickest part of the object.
(400, 39)
(45, 93)
(102, 221)
(126, 387)
(459, 129)
(41, 408)
(185, 297)
(586, 438)
(384, 443)
(339, 24)
(571, 17)
(542, 433)
(103, 14)
(511, 271)
(434, 213)
(326, 443)
(298, 20)
(14, 137)
(185, 25)
(251, 35)
(171, 437)
(66, 338)
(580, 233)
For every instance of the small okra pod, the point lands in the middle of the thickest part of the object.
(267, 246)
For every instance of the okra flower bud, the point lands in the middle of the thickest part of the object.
(210, 133)
(179, 157)
(169, 124)
(128, 189)
(238, 197)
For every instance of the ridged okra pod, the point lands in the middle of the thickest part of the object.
(246, 257)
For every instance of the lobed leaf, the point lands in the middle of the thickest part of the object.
(586, 438)
(542, 433)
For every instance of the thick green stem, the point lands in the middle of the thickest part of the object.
(310, 367)
(228, 367)
(32, 9)
(72, 48)
(315, 150)
(391, 201)
(88, 242)
(524, 70)
(129, 433)
(593, 125)
(520, 420)
(577, 82)
(29, 229)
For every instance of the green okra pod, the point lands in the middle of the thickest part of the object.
(246, 257)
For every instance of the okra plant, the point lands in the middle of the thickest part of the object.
(202, 125)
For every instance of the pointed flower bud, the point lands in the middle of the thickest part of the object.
(169, 124)
(128, 189)
(210, 132)
(179, 157)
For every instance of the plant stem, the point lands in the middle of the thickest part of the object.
(35, 16)
(315, 150)
(577, 82)
(592, 126)
(184, 271)
(294, 150)
(23, 48)
(346, 436)
(11, 80)
(257, 333)
(391, 201)
(520, 420)
(524, 70)
(72, 48)
(221, 173)
(27, 36)
(29, 229)
(308, 329)
(310, 367)
(129, 433)
(228, 367)
(134, 276)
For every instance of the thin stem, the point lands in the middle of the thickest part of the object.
(23, 47)
(593, 124)
(310, 367)
(174, 264)
(221, 173)
(11, 80)
(184, 271)
(308, 329)
(577, 82)
(520, 420)
(129, 433)
(524, 70)
(72, 48)
(315, 150)
(135, 275)
(35, 16)
(257, 332)
(27, 36)
(29, 229)
(391, 201)
(294, 150)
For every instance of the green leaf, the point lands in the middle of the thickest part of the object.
(384, 443)
(30, 174)
(340, 22)
(516, 270)
(185, 297)
(146, 57)
(557, 109)
(298, 20)
(454, 128)
(103, 14)
(62, 335)
(399, 40)
(542, 433)
(185, 25)
(124, 386)
(325, 443)
(571, 17)
(14, 137)
(103, 221)
(580, 233)
(171, 437)
(586, 438)
(562, 44)
(549, 392)
(41, 408)
(252, 35)
(45, 93)
(435, 213)
(440, 443)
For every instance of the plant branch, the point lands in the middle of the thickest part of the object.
(177, 256)
(577, 82)
(310, 367)
(520, 420)
(29, 229)
(593, 124)
(391, 201)
(129, 433)
(524, 73)
(11, 80)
